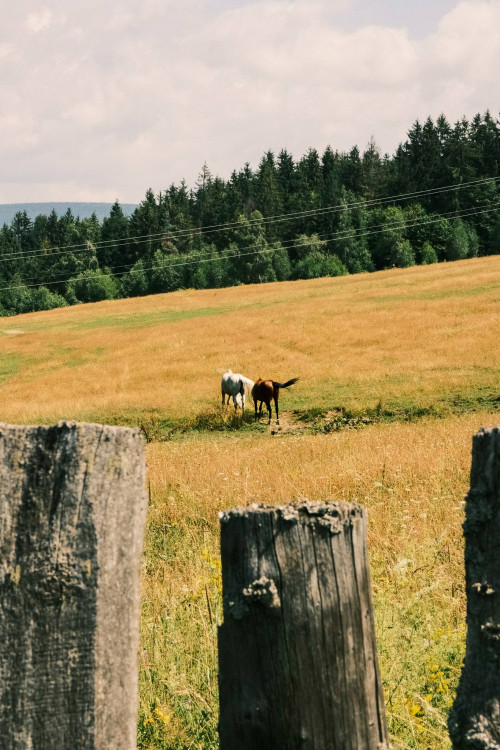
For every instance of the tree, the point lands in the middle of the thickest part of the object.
(313, 261)
(253, 262)
(148, 226)
(428, 254)
(494, 239)
(267, 193)
(202, 195)
(372, 171)
(167, 273)
(389, 228)
(403, 255)
(350, 241)
(437, 231)
(11, 262)
(308, 195)
(458, 244)
(287, 183)
(43, 299)
(485, 134)
(352, 171)
(135, 283)
(91, 286)
(113, 249)
(22, 229)
(281, 262)
(17, 297)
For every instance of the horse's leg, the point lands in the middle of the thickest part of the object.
(223, 398)
(276, 407)
(255, 404)
(268, 404)
(242, 405)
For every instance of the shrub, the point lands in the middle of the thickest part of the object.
(92, 286)
(429, 255)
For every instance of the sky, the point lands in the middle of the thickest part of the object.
(102, 100)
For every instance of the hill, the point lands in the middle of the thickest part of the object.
(82, 209)
(404, 339)
(329, 214)
(397, 369)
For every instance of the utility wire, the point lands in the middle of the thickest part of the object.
(339, 235)
(216, 228)
(352, 233)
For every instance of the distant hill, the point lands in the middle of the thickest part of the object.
(83, 210)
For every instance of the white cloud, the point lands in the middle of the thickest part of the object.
(39, 21)
(141, 94)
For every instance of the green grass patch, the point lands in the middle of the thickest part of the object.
(10, 365)
(146, 319)
(158, 427)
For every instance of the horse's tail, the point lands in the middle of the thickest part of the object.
(284, 385)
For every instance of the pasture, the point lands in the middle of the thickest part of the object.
(397, 370)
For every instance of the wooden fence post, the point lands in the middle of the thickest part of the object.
(72, 511)
(297, 656)
(474, 721)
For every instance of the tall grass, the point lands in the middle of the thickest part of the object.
(411, 477)
(395, 345)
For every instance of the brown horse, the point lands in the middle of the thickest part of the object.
(264, 391)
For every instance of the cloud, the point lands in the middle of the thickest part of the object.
(39, 21)
(143, 93)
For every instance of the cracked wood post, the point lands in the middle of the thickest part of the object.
(72, 511)
(474, 721)
(298, 666)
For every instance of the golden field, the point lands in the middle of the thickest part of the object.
(417, 335)
(417, 347)
(411, 477)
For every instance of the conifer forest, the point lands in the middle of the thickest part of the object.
(326, 214)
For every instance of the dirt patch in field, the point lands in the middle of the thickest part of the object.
(289, 424)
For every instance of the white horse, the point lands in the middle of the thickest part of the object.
(235, 386)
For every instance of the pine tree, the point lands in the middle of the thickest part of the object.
(114, 249)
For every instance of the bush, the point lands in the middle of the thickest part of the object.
(43, 299)
(281, 262)
(92, 286)
(316, 264)
(403, 255)
(167, 273)
(457, 246)
(135, 283)
(429, 255)
(17, 298)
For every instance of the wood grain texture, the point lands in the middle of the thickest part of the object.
(297, 655)
(474, 721)
(72, 512)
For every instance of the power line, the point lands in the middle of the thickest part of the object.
(339, 235)
(352, 233)
(216, 228)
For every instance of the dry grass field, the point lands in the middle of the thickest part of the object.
(418, 336)
(408, 358)
(411, 477)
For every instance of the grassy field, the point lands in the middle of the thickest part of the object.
(397, 370)
(412, 478)
(419, 337)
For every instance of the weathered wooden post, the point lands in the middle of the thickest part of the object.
(297, 655)
(72, 511)
(474, 721)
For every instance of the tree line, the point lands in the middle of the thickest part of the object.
(436, 199)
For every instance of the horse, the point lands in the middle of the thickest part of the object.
(236, 386)
(264, 391)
